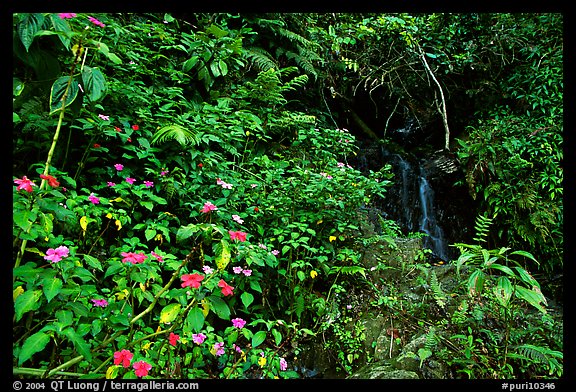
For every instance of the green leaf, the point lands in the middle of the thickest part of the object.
(219, 307)
(246, 298)
(189, 64)
(533, 297)
(503, 290)
(223, 258)
(476, 282)
(26, 302)
(59, 88)
(28, 27)
(79, 343)
(32, 345)
(149, 234)
(51, 287)
(223, 67)
(277, 336)
(195, 319)
(94, 83)
(62, 29)
(169, 313)
(258, 338)
(93, 262)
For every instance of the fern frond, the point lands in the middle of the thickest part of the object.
(176, 132)
(540, 355)
(482, 227)
(260, 58)
(348, 269)
(439, 294)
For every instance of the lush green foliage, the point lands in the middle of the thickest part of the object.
(196, 205)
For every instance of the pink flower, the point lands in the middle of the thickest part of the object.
(223, 184)
(237, 270)
(226, 288)
(208, 207)
(24, 183)
(94, 199)
(124, 357)
(247, 272)
(218, 347)
(157, 256)
(130, 180)
(237, 219)
(192, 280)
(134, 258)
(141, 368)
(135, 127)
(55, 255)
(173, 338)
(111, 184)
(103, 117)
(119, 166)
(96, 21)
(100, 302)
(283, 364)
(275, 252)
(237, 235)
(198, 338)
(64, 15)
(163, 172)
(207, 269)
(148, 184)
(238, 322)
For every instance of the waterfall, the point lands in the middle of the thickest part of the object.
(428, 223)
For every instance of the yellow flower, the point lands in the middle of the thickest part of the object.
(313, 274)
(261, 361)
(332, 238)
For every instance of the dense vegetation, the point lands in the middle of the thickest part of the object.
(185, 206)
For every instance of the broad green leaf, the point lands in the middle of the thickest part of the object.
(503, 268)
(169, 313)
(223, 67)
(26, 302)
(525, 254)
(189, 64)
(32, 345)
(51, 287)
(476, 282)
(59, 88)
(28, 27)
(246, 298)
(195, 319)
(149, 234)
(258, 338)
(534, 298)
(62, 28)
(93, 262)
(219, 307)
(94, 83)
(79, 343)
(277, 336)
(503, 290)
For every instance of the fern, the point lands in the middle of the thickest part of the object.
(540, 355)
(260, 58)
(439, 294)
(482, 227)
(176, 132)
(349, 270)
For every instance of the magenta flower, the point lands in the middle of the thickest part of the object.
(100, 302)
(208, 207)
(247, 272)
(94, 199)
(238, 322)
(111, 184)
(119, 166)
(123, 357)
(219, 348)
(283, 364)
(96, 21)
(55, 255)
(24, 183)
(67, 15)
(163, 172)
(237, 270)
(130, 180)
(157, 256)
(148, 184)
(223, 184)
(141, 368)
(104, 117)
(134, 258)
(198, 338)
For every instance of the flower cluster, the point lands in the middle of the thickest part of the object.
(124, 357)
(55, 255)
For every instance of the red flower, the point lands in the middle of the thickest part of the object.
(129, 140)
(226, 288)
(117, 129)
(173, 338)
(96, 145)
(123, 357)
(200, 165)
(135, 127)
(192, 280)
(256, 209)
(53, 182)
(24, 183)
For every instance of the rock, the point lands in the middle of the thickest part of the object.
(383, 371)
